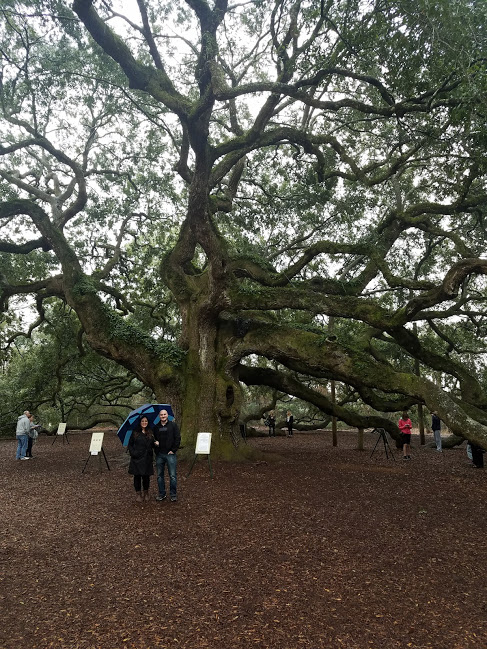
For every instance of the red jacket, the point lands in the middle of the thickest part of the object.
(405, 426)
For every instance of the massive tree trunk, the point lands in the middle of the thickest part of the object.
(211, 397)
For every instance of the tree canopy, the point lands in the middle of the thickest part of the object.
(55, 375)
(266, 193)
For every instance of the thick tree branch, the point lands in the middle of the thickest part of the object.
(290, 385)
(156, 82)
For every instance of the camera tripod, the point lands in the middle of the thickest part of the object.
(382, 435)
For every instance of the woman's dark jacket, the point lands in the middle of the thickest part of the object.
(141, 454)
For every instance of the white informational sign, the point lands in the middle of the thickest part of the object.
(61, 429)
(96, 443)
(203, 444)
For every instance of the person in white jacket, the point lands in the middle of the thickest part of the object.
(22, 434)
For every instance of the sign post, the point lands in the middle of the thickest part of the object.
(61, 430)
(96, 448)
(203, 445)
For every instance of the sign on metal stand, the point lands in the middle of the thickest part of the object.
(61, 430)
(203, 446)
(96, 448)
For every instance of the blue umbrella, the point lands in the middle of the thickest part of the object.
(149, 410)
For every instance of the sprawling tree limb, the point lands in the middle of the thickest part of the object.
(289, 385)
(155, 82)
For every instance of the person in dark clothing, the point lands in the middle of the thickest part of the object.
(141, 449)
(289, 423)
(477, 456)
(167, 441)
(436, 427)
(33, 433)
(271, 423)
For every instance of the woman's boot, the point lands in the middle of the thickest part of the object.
(146, 496)
(138, 497)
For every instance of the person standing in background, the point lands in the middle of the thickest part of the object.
(33, 434)
(271, 423)
(289, 423)
(436, 426)
(22, 434)
(405, 426)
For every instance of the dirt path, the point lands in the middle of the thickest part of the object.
(325, 548)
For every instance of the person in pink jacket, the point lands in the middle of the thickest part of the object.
(405, 427)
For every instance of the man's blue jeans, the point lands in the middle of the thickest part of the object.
(171, 460)
(22, 442)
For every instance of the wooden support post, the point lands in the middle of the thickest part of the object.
(422, 438)
(331, 327)
(334, 419)
(360, 442)
(417, 371)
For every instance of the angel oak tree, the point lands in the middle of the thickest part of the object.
(207, 184)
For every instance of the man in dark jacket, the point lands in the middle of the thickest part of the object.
(167, 443)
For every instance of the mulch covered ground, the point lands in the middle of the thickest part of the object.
(322, 547)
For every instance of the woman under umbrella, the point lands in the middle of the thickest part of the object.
(140, 446)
